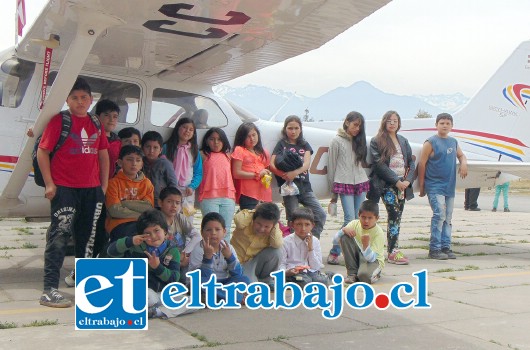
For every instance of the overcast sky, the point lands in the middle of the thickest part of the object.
(408, 47)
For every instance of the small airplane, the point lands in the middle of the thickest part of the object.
(157, 59)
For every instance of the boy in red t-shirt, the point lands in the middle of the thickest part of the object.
(76, 179)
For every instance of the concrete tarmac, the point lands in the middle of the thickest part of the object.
(479, 300)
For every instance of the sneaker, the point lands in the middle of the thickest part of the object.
(398, 258)
(53, 298)
(70, 279)
(449, 253)
(375, 278)
(506, 210)
(350, 279)
(474, 209)
(438, 255)
(333, 259)
(494, 209)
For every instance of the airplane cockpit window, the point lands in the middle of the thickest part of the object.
(170, 105)
(15, 75)
(125, 94)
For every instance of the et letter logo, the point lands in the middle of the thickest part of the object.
(111, 294)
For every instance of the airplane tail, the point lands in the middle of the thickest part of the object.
(494, 124)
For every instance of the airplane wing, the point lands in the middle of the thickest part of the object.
(197, 42)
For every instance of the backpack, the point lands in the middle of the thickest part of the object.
(65, 131)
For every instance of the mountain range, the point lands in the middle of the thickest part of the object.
(361, 96)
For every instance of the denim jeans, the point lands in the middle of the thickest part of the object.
(350, 206)
(308, 200)
(223, 206)
(442, 212)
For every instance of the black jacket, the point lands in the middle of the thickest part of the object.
(381, 175)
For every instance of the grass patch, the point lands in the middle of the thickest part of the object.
(23, 230)
(202, 338)
(474, 254)
(502, 266)
(471, 267)
(6, 255)
(523, 241)
(452, 278)
(4, 247)
(444, 270)
(425, 239)
(42, 323)
(412, 246)
(29, 245)
(280, 338)
(7, 325)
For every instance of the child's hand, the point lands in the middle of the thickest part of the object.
(208, 249)
(291, 272)
(365, 240)
(462, 170)
(264, 172)
(152, 259)
(225, 249)
(188, 192)
(290, 176)
(184, 259)
(139, 239)
(348, 231)
(309, 241)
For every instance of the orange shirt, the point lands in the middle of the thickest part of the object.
(217, 179)
(252, 163)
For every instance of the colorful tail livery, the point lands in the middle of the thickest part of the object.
(494, 124)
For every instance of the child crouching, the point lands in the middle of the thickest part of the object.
(213, 255)
(362, 243)
(301, 253)
(162, 255)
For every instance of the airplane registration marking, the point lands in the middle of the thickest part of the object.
(172, 11)
(313, 169)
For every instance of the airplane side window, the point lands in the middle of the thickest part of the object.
(169, 106)
(125, 94)
(15, 76)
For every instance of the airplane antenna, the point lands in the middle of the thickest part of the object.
(273, 118)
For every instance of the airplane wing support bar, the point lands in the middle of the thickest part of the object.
(90, 25)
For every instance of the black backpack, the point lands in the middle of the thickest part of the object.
(65, 131)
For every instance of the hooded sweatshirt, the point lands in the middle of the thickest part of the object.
(342, 165)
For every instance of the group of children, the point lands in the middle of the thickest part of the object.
(141, 188)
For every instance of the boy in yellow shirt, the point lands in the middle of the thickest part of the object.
(363, 245)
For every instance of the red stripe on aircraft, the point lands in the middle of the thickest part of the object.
(8, 159)
(478, 133)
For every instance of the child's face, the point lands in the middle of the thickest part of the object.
(262, 227)
(214, 142)
(444, 126)
(131, 164)
(133, 140)
(185, 132)
(170, 205)
(353, 128)
(368, 219)
(392, 124)
(152, 150)
(156, 235)
(302, 227)
(79, 102)
(293, 130)
(252, 139)
(109, 120)
(214, 232)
